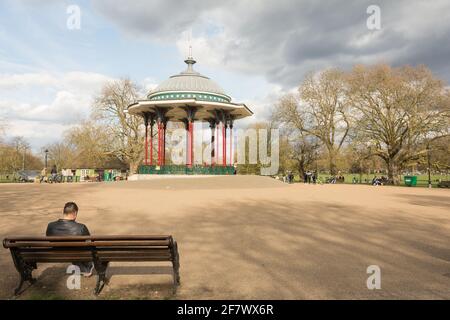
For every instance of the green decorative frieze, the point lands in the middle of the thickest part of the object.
(188, 95)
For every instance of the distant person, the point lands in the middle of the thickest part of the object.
(291, 177)
(53, 173)
(314, 177)
(43, 175)
(68, 227)
(308, 176)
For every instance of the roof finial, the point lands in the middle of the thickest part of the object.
(190, 60)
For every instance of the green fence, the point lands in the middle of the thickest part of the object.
(175, 169)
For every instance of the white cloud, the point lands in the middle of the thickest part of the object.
(37, 133)
(8, 81)
(262, 106)
(147, 85)
(39, 122)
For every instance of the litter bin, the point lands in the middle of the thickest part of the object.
(410, 181)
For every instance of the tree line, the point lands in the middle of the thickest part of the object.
(107, 138)
(369, 117)
(396, 116)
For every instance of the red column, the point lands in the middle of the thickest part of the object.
(231, 145)
(224, 144)
(190, 144)
(186, 125)
(159, 143)
(146, 142)
(216, 150)
(151, 143)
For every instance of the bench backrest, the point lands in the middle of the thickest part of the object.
(92, 248)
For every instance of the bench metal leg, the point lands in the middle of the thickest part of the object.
(25, 270)
(18, 291)
(176, 266)
(25, 275)
(101, 276)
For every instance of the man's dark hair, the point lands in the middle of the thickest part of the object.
(70, 207)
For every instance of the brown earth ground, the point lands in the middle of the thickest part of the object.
(246, 237)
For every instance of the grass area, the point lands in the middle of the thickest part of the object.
(5, 178)
(422, 180)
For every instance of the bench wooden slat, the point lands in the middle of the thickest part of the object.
(124, 251)
(136, 259)
(131, 258)
(56, 254)
(97, 249)
(32, 244)
(94, 238)
(105, 256)
(67, 259)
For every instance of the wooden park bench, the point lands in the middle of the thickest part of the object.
(27, 252)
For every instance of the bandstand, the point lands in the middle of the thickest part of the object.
(189, 98)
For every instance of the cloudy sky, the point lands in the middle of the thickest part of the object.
(256, 50)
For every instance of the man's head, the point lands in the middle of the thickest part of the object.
(70, 211)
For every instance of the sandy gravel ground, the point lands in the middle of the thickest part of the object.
(247, 237)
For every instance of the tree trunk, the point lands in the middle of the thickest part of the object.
(392, 172)
(332, 162)
(134, 166)
(301, 169)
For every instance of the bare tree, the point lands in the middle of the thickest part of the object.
(20, 146)
(125, 130)
(63, 154)
(397, 110)
(17, 155)
(298, 151)
(440, 154)
(86, 145)
(319, 110)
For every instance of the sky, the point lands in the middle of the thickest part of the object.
(256, 50)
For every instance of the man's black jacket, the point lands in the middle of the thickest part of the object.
(63, 227)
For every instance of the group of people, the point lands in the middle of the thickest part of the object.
(289, 177)
(379, 181)
(336, 179)
(310, 177)
(53, 175)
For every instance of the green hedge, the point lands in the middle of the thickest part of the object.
(176, 169)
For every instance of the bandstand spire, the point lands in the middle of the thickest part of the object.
(190, 61)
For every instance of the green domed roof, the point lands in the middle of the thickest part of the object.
(189, 84)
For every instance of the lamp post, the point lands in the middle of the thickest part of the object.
(46, 155)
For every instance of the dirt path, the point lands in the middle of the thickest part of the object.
(248, 237)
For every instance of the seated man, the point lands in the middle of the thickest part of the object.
(68, 227)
